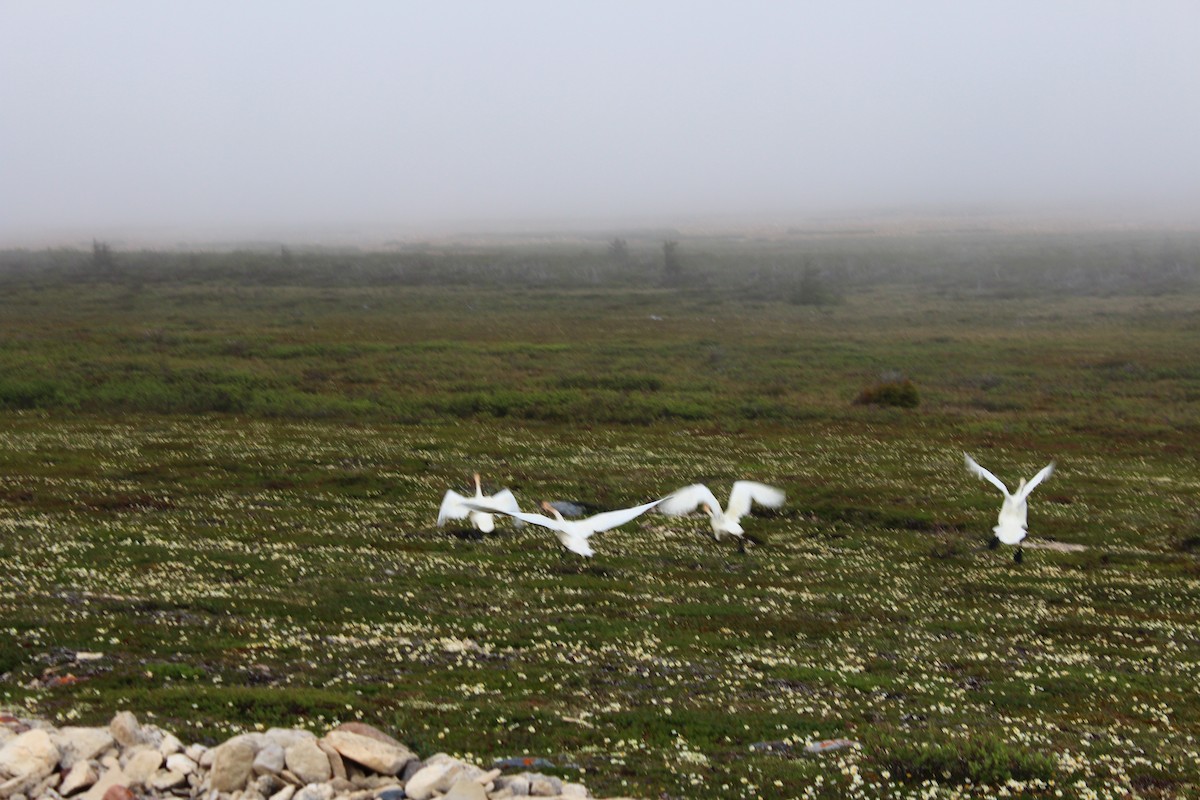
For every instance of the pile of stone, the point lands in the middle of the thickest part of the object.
(353, 761)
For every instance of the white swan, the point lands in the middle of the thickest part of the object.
(1012, 522)
(724, 523)
(454, 507)
(573, 534)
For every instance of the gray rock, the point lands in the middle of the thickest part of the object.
(232, 766)
(268, 784)
(284, 794)
(544, 786)
(308, 762)
(517, 785)
(81, 744)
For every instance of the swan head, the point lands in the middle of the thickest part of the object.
(552, 511)
(478, 486)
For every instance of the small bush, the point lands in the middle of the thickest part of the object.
(901, 394)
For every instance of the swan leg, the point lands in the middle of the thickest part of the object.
(994, 543)
(741, 545)
(1019, 556)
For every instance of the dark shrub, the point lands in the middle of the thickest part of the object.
(902, 394)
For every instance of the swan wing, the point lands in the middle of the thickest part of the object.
(608, 520)
(524, 516)
(506, 500)
(983, 473)
(746, 492)
(453, 507)
(1046, 472)
(688, 499)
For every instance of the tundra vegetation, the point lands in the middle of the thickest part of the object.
(220, 472)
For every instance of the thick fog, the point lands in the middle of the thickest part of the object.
(192, 119)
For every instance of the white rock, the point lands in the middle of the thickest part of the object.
(81, 744)
(335, 759)
(284, 794)
(167, 780)
(232, 766)
(125, 728)
(77, 777)
(170, 745)
(142, 766)
(178, 762)
(315, 791)
(386, 758)
(195, 752)
(575, 790)
(425, 782)
(465, 789)
(286, 737)
(109, 778)
(269, 759)
(29, 755)
(308, 762)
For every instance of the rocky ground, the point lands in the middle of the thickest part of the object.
(352, 761)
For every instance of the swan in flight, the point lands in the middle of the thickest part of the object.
(573, 534)
(454, 506)
(1011, 524)
(724, 523)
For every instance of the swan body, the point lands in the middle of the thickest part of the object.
(1011, 525)
(454, 506)
(724, 522)
(573, 534)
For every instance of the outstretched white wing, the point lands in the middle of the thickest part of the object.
(608, 520)
(1041, 476)
(745, 492)
(983, 473)
(504, 499)
(688, 499)
(453, 507)
(533, 519)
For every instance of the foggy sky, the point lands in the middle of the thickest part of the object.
(251, 115)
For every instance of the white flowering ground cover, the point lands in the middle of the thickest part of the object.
(217, 510)
(307, 584)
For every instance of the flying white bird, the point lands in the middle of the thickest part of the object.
(685, 501)
(1011, 525)
(573, 534)
(454, 507)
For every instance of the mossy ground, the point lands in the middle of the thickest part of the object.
(229, 490)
